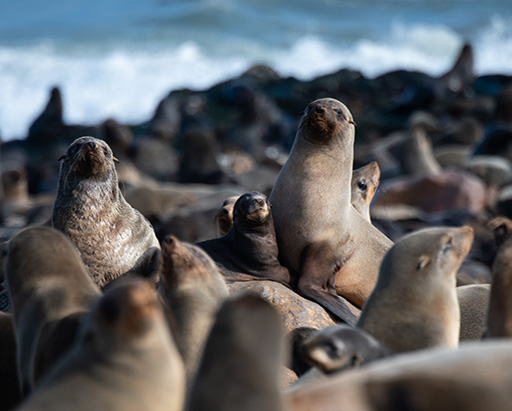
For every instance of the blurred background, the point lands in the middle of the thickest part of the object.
(119, 58)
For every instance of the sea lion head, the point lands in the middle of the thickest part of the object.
(184, 263)
(224, 217)
(425, 252)
(324, 119)
(88, 158)
(340, 347)
(127, 312)
(365, 181)
(252, 208)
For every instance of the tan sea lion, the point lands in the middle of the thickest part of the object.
(365, 181)
(242, 359)
(112, 238)
(50, 291)
(334, 250)
(474, 377)
(123, 359)
(249, 250)
(224, 217)
(414, 304)
(499, 323)
(474, 305)
(193, 288)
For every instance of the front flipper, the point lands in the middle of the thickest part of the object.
(317, 282)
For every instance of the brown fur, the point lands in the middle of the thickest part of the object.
(365, 181)
(474, 304)
(224, 217)
(414, 304)
(112, 238)
(334, 250)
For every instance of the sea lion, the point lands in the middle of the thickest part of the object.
(50, 290)
(334, 250)
(242, 359)
(123, 359)
(414, 304)
(249, 250)
(340, 347)
(192, 287)
(10, 394)
(474, 305)
(112, 238)
(474, 377)
(365, 181)
(224, 217)
(499, 323)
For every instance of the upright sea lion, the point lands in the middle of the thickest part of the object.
(224, 217)
(242, 359)
(112, 238)
(249, 250)
(50, 290)
(499, 323)
(123, 359)
(365, 181)
(334, 250)
(474, 377)
(414, 304)
(192, 287)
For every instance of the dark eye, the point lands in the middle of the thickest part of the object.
(105, 151)
(361, 184)
(330, 349)
(447, 246)
(338, 112)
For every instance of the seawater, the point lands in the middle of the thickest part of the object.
(118, 58)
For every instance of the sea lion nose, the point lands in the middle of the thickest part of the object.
(170, 239)
(319, 108)
(91, 144)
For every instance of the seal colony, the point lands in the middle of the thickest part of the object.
(180, 342)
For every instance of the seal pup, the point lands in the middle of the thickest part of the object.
(474, 377)
(499, 322)
(365, 181)
(242, 359)
(340, 347)
(123, 359)
(192, 288)
(249, 250)
(335, 251)
(224, 217)
(112, 238)
(414, 304)
(48, 284)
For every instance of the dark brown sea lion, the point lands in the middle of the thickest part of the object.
(242, 359)
(249, 250)
(50, 291)
(112, 238)
(123, 359)
(499, 322)
(192, 287)
(334, 250)
(414, 304)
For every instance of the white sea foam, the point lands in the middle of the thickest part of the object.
(128, 83)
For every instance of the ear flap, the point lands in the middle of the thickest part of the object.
(62, 157)
(115, 159)
(423, 262)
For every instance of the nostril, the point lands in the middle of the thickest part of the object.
(91, 144)
(319, 108)
(169, 239)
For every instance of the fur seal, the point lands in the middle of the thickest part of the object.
(112, 238)
(249, 250)
(224, 217)
(123, 359)
(192, 287)
(340, 347)
(414, 304)
(334, 250)
(474, 306)
(365, 181)
(50, 289)
(242, 359)
(474, 377)
(499, 323)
